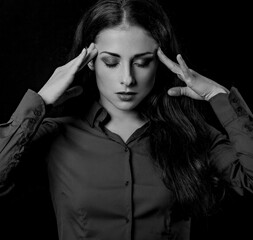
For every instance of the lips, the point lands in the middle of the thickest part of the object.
(126, 93)
(126, 96)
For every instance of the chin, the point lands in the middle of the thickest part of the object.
(126, 106)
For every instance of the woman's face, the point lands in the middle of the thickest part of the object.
(125, 67)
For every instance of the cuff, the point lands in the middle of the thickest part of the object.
(228, 107)
(31, 105)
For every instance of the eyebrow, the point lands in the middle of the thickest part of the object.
(135, 56)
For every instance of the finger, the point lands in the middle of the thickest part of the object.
(91, 53)
(175, 91)
(183, 91)
(75, 61)
(180, 77)
(74, 91)
(174, 67)
(70, 93)
(183, 65)
(82, 58)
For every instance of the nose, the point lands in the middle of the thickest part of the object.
(127, 77)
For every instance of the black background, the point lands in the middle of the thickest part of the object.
(35, 37)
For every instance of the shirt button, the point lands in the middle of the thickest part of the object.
(126, 149)
(17, 156)
(239, 109)
(248, 127)
(23, 141)
(32, 121)
(234, 100)
(37, 113)
(127, 220)
(126, 183)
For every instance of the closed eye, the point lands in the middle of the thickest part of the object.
(143, 62)
(111, 65)
(110, 62)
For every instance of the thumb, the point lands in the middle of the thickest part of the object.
(186, 91)
(70, 93)
(177, 91)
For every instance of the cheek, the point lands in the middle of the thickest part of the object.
(104, 77)
(146, 77)
(100, 72)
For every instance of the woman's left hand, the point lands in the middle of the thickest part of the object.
(197, 86)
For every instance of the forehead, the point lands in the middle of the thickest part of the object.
(125, 41)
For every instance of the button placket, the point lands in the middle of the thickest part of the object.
(128, 189)
(126, 149)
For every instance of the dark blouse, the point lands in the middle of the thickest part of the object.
(103, 188)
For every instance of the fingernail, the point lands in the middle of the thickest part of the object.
(171, 92)
(88, 48)
(91, 45)
(84, 50)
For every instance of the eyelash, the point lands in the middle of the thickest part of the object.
(143, 65)
(111, 65)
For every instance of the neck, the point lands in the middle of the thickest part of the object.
(124, 116)
(123, 122)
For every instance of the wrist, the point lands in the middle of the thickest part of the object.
(44, 98)
(216, 92)
(47, 105)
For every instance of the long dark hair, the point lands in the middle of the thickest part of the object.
(178, 133)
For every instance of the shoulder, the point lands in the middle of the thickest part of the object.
(216, 138)
(52, 126)
(59, 122)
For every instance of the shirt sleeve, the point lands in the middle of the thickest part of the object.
(16, 135)
(232, 153)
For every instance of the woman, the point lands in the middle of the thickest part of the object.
(136, 158)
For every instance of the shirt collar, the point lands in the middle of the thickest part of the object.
(97, 114)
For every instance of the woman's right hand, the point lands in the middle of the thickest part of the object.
(57, 86)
